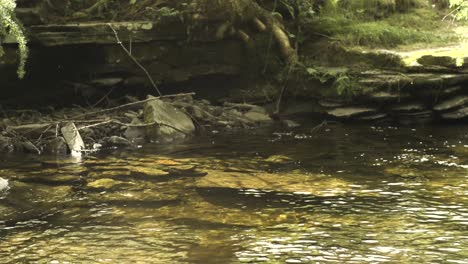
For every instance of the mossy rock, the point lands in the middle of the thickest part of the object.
(444, 61)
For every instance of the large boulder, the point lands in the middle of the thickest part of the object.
(169, 123)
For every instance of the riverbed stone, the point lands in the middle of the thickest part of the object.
(409, 107)
(452, 103)
(105, 183)
(29, 147)
(290, 123)
(6, 144)
(57, 145)
(319, 185)
(349, 112)
(444, 61)
(171, 123)
(452, 90)
(73, 138)
(458, 114)
(135, 134)
(375, 117)
(116, 141)
(257, 117)
(106, 82)
(386, 96)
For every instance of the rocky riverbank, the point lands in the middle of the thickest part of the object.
(162, 119)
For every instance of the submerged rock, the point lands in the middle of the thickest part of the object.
(56, 146)
(257, 117)
(319, 185)
(171, 123)
(411, 107)
(6, 144)
(452, 103)
(135, 134)
(116, 141)
(105, 183)
(348, 112)
(290, 123)
(444, 61)
(458, 114)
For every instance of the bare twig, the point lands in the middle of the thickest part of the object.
(104, 97)
(129, 53)
(133, 125)
(127, 105)
(451, 13)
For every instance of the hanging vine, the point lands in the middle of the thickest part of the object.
(11, 27)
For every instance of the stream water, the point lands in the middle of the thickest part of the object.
(344, 194)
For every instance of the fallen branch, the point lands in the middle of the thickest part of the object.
(113, 121)
(127, 105)
(134, 59)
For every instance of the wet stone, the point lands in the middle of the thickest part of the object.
(73, 138)
(374, 117)
(349, 112)
(257, 117)
(452, 90)
(319, 185)
(173, 123)
(459, 114)
(3, 185)
(56, 146)
(115, 141)
(452, 103)
(105, 183)
(29, 147)
(385, 96)
(6, 144)
(329, 104)
(290, 123)
(413, 107)
(106, 82)
(444, 61)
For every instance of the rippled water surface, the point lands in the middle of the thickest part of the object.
(347, 194)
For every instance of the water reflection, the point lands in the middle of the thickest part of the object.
(349, 194)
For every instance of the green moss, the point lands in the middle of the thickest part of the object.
(10, 27)
(364, 27)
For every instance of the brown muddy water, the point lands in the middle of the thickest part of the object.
(348, 194)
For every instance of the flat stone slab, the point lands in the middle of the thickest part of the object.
(347, 112)
(171, 123)
(444, 61)
(100, 33)
(451, 103)
(73, 138)
(409, 108)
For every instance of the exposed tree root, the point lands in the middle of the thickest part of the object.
(237, 13)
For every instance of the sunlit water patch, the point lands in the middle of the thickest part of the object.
(342, 194)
